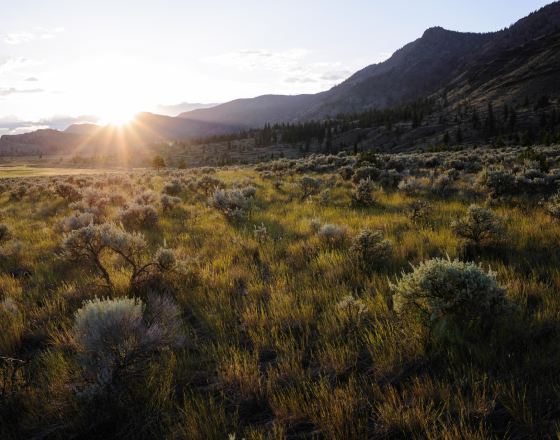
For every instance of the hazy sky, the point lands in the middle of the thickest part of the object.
(60, 59)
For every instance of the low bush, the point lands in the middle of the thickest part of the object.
(450, 297)
(369, 248)
(138, 216)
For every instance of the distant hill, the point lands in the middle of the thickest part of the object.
(179, 109)
(146, 128)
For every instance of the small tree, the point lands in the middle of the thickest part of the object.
(90, 243)
(158, 162)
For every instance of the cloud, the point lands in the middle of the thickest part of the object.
(31, 79)
(336, 75)
(293, 66)
(38, 33)
(13, 125)
(7, 91)
(250, 59)
(14, 63)
(18, 38)
(297, 80)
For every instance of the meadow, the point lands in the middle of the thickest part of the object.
(410, 295)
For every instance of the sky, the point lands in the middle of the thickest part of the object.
(63, 61)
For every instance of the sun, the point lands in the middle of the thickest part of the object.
(118, 116)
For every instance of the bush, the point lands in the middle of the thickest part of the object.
(68, 192)
(113, 336)
(172, 188)
(165, 259)
(309, 186)
(370, 248)
(208, 183)
(418, 211)
(93, 202)
(346, 172)
(479, 226)
(552, 207)
(139, 216)
(450, 295)
(4, 233)
(169, 203)
(146, 198)
(76, 221)
(332, 234)
(88, 244)
(232, 203)
(497, 182)
(362, 195)
(365, 173)
(411, 186)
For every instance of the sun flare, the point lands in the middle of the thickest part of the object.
(118, 116)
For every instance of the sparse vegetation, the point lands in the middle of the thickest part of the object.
(324, 297)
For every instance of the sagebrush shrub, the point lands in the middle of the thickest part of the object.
(232, 203)
(68, 192)
(169, 203)
(479, 226)
(146, 198)
(93, 202)
(418, 211)
(552, 207)
(208, 183)
(309, 186)
(114, 336)
(370, 248)
(443, 294)
(173, 188)
(139, 216)
(497, 182)
(362, 195)
(411, 185)
(346, 172)
(166, 259)
(76, 221)
(87, 245)
(332, 234)
(364, 173)
(4, 233)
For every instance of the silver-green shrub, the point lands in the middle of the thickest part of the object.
(443, 294)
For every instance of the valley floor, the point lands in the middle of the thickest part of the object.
(266, 301)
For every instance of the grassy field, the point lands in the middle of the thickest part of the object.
(33, 171)
(254, 313)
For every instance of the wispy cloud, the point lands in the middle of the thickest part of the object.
(293, 65)
(14, 63)
(38, 33)
(14, 125)
(6, 91)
